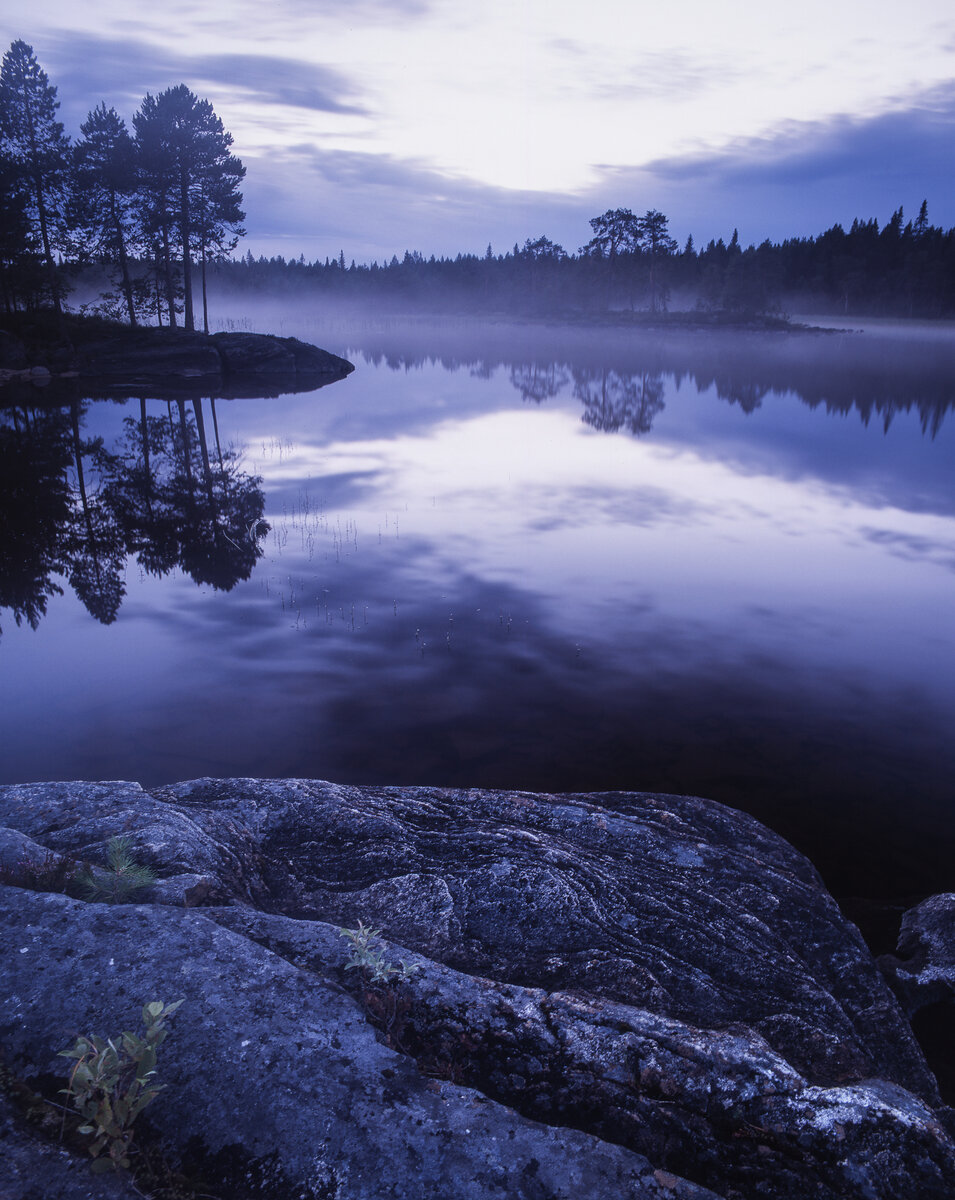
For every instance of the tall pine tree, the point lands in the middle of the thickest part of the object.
(34, 143)
(104, 196)
(190, 174)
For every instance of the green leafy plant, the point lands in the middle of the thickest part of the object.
(113, 1080)
(122, 878)
(367, 955)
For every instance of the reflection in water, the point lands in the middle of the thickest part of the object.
(613, 401)
(840, 372)
(538, 383)
(35, 504)
(76, 509)
(465, 584)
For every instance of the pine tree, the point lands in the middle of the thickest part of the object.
(105, 186)
(18, 245)
(190, 178)
(34, 143)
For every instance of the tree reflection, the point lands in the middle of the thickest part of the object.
(34, 509)
(613, 400)
(96, 554)
(539, 383)
(75, 510)
(872, 377)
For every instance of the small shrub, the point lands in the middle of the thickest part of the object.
(113, 1081)
(52, 874)
(122, 878)
(367, 955)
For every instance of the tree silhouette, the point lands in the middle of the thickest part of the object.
(105, 191)
(34, 509)
(191, 181)
(35, 144)
(615, 232)
(614, 400)
(18, 245)
(538, 383)
(95, 547)
(653, 238)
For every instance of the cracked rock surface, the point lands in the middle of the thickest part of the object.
(618, 995)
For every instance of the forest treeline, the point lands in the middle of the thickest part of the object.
(631, 263)
(152, 216)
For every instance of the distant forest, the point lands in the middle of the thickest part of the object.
(631, 264)
(150, 221)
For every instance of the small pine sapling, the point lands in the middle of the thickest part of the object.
(122, 878)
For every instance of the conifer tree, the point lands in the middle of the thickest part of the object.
(34, 143)
(104, 196)
(18, 258)
(190, 177)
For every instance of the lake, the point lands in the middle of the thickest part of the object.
(560, 559)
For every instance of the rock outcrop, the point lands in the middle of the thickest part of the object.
(921, 972)
(621, 995)
(118, 355)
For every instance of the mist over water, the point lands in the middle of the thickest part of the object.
(526, 557)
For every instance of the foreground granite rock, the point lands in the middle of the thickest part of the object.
(622, 995)
(35, 1168)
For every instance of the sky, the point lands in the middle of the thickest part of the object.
(375, 126)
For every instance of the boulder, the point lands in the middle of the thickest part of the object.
(922, 970)
(616, 995)
(922, 974)
(258, 354)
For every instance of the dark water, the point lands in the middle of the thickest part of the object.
(524, 558)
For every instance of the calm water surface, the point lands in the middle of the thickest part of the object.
(523, 558)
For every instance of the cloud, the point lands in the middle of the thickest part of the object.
(374, 205)
(795, 180)
(802, 177)
(673, 75)
(670, 75)
(85, 65)
(913, 547)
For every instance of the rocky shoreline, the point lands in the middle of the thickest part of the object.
(614, 995)
(99, 354)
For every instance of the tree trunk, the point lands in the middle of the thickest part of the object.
(205, 298)
(170, 283)
(41, 209)
(186, 233)
(123, 261)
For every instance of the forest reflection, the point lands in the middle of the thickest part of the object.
(167, 495)
(622, 384)
(76, 510)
